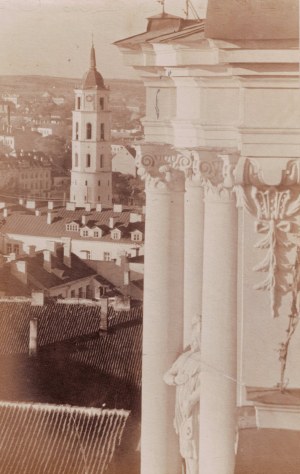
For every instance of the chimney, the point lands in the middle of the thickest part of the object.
(37, 298)
(67, 251)
(21, 201)
(71, 206)
(47, 260)
(134, 217)
(49, 218)
(126, 278)
(31, 250)
(104, 314)
(33, 337)
(2, 205)
(53, 246)
(37, 212)
(88, 207)
(50, 205)
(98, 207)
(5, 212)
(118, 208)
(18, 268)
(30, 204)
(112, 222)
(84, 218)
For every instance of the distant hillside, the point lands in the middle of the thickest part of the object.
(12, 83)
(123, 91)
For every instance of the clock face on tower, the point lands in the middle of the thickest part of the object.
(89, 98)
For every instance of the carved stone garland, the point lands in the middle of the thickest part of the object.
(275, 210)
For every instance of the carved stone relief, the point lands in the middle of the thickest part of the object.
(276, 209)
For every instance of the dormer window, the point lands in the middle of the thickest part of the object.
(85, 233)
(72, 227)
(116, 234)
(137, 236)
(96, 234)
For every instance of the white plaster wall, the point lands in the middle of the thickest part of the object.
(95, 247)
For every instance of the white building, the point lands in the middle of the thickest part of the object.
(91, 176)
(103, 235)
(222, 169)
(123, 160)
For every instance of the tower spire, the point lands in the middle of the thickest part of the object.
(93, 56)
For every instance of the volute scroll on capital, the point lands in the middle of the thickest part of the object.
(153, 167)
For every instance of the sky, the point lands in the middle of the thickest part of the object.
(53, 37)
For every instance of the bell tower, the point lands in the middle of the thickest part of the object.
(91, 174)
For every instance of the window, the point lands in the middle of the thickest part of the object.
(101, 161)
(85, 183)
(85, 233)
(76, 131)
(96, 233)
(8, 248)
(72, 293)
(99, 182)
(76, 159)
(99, 198)
(137, 237)
(16, 249)
(102, 131)
(88, 131)
(116, 235)
(106, 256)
(88, 160)
(78, 103)
(72, 227)
(80, 292)
(101, 103)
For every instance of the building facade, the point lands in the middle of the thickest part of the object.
(91, 175)
(223, 188)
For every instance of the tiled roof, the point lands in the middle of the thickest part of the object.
(119, 352)
(29, 224)
(60, 274)
(11, 286)
(56, 322)
(40, 438)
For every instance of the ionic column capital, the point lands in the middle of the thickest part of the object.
(154, 167)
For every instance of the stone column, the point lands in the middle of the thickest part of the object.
(193, 240)
(163, 311)
(219, 329)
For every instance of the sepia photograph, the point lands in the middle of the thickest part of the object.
(149, 237)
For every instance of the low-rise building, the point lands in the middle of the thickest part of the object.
(101, 234)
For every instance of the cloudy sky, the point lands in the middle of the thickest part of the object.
(53, 37)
